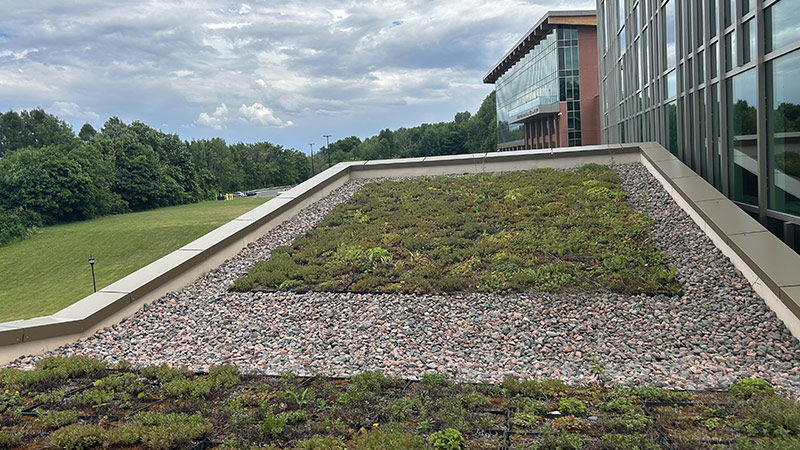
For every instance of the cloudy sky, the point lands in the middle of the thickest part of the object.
(285, 72)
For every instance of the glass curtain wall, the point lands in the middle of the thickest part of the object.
(569, 81)
(731, 62)
(530, 82)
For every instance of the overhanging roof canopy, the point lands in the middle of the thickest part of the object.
(535, 34)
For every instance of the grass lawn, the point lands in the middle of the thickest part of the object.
(77, 403)
(50, 270)
(538, 230)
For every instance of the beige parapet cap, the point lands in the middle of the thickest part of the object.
(44, 327)
(468, 158)
(391, 162)
(772, 260)
(790, 296)
(321, 179)
(94, 308)
(264, 211)
(656, 153)
(726, 218)
(143, 280)
(10, 334)
(674, 169)
(696, 189)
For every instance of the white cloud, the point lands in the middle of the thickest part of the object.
(256, 114)
(215, 120)
(261, 115)
(70, 109)
(22, 54)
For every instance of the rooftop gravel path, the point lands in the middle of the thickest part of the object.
(716, 332)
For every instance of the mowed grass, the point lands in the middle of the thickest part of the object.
(50, 270)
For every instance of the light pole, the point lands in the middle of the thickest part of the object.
(312, 159)
(328, 147)
(91, 263)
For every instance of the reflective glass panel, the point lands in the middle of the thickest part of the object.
(783, 118)
(672, 84)
(749, 33)
(782, 24)
(729, 11)
(730, 51)
(714, 60)
(672, 127)
(669, 27)
(742, 137)
(716, 139)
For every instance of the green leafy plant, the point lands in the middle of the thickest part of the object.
(77, 437)
(750, 387)
(571, 405)
(628, 423)
(321, 443)
(9, 439)
(627, 442)
(449, 439)
(569, 424)
(386, 438)
(56, 419)
(560, 441)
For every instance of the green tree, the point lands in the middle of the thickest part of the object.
(47, 182)
(87, 132)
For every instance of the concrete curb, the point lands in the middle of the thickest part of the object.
(769, 265)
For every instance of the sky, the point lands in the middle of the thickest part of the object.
(286, 72)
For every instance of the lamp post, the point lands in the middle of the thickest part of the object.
(91, 263)
(328, 147)
(312, 159)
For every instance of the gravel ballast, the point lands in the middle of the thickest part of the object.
(716, 332)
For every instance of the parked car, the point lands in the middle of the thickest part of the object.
(250, 193)
(239, 194)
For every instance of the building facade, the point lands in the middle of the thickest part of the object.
(710, 80)
(546, 85)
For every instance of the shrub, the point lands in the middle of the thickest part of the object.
(381, 439)
(162, 431)
(77, 437)
(750, 387)
(70, 367)
(120, 382)
(780, 411)
(9, 439)
(164, 373)
(56, 419)
(649, 393)
(569, 424)
(560, 441)
(628, 423)
(449, 439)
(619, 404)
(627, 442)
(94, 397)
(571, 405)
(767, 444)
(321, 443)
(759, 427)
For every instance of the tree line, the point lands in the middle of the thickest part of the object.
(50, 175)
(465, 134)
